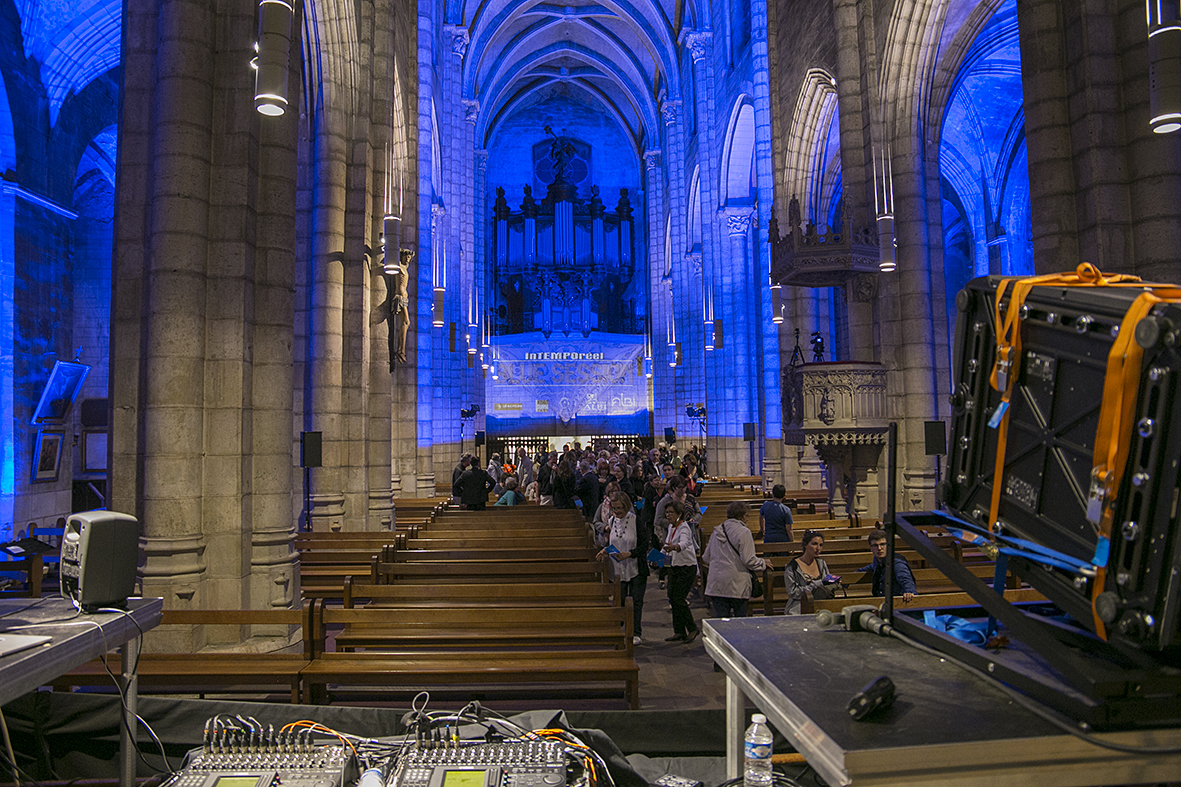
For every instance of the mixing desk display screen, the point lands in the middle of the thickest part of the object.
(456, 779)
(236, 781)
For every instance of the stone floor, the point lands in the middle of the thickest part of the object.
(673, 675)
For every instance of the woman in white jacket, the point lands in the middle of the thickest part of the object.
(730, 555)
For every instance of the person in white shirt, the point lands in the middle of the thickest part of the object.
(730, 555)
(682, 552)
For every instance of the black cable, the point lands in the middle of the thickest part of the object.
(1037, 709)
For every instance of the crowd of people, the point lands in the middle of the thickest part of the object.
(643, 508)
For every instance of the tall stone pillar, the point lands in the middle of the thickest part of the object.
(764, 336)
(423, 361)
(326, 333)
(686, 280)
(1103, 187)
(174, 299)
(913, 341)
(713, 255)
(855, 78)
(664, 377)
(734, 393)
(378, 429)
(274, 575)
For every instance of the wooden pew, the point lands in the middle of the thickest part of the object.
(465, 571)
(446, 666)
(428, 539)
(482, 594)
(506, 627)
(220, 672)
(930, 600)
(325, 563)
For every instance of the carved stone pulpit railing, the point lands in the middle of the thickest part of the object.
(840, 409)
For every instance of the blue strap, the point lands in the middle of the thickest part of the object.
(972, 632)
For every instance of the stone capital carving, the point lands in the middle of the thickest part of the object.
(481, 162)
(694, 260)
(471, 110)
(652, 158)
(459, 39)
(698, 44)
(864, 287)
(437, 214)
(738, 220)
(670, 111)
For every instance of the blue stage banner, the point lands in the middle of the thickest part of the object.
(567, 386)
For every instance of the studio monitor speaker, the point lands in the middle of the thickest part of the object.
(749, 434)
(100, 552)
(670, 434)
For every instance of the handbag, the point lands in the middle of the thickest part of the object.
(756, 582)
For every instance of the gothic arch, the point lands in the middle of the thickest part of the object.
(694, 210)
(812, 158)
(738, 156)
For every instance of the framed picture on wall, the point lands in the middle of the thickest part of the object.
(47, 456)
(94, 452)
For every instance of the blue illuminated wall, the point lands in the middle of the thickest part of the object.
(57, 145)
(982, 162)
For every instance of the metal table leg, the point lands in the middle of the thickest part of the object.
(129, 654)
(735, 716)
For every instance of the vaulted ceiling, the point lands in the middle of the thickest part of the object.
(74, 40)
(616, 55)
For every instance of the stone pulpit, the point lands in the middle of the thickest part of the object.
(840, 409)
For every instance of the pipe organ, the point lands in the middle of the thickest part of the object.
(564, 264)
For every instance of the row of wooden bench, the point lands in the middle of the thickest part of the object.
(490, 617)
(450, 642)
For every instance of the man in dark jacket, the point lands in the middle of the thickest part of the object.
(587, 489)
(902, 580)
(457, 471)
(473, 487)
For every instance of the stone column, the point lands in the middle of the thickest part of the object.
(700, 44)
(482, 218)
(764, 334)
(686, 280)
(274, 575)
(171, 512)
(474, 170)
(913, 341)
(734, 393)
(856, 65)
(326, 333)
(423, 362)
(1103, 187)
(664, 377)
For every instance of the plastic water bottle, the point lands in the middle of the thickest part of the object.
(757, 770)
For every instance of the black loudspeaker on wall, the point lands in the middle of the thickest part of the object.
(935, 438)
(100, 552)
(480, 436)
(748, 433)
(670, 434)
(310, 449)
